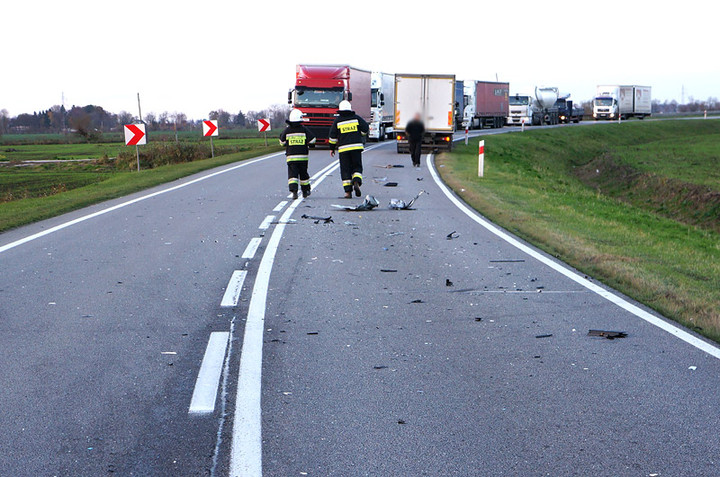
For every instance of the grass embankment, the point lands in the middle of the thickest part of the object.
(40, 192)
(636, 205)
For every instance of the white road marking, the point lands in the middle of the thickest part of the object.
(246, 451)
(232, 292)
(266, 223)
(208, 380)
(280, 206)
(251, 248)
(64, 225)
(613, 298)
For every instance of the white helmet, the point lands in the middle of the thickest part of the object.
(345, 105)
(295, 116)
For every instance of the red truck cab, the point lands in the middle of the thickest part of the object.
(319, 90)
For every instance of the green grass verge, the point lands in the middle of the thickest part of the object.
(619, 202)
(100, 186)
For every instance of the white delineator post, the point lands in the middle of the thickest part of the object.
(466, 136)
(522, 125)
(481, 158)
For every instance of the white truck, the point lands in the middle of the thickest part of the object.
(624, 101)
(382, 87)
(433, 98)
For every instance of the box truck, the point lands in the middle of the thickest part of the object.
(487, 104)
(382, 103)
(624, 101)
(433, 98)
(320, 88)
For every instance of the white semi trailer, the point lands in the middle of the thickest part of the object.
(624, 101)
(433, 98)
(382, 86)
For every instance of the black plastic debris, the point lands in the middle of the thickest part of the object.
(477, 318)
(312, 332)
(548, 335)
(448, 283)
(325, 220)
(390, 166)
(419, 178)
(388, 270)
(611, 335)
(380, 367)
(399, 204)
(417, 301)
(452, 235)
(401, 421)
(391, 184)
(508, 261)
(369, 203)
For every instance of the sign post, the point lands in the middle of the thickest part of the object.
(135, 136)
(481, 158)
(210, 128)
(466, 135)
(264, 127)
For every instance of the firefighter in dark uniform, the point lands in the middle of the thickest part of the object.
(296, 138)
(347, 135)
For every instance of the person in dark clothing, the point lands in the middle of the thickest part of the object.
(347, 135)
(296, 138)
(415, 131)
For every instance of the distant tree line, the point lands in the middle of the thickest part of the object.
(92, 121)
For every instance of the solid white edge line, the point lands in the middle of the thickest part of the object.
(56, 228)
(613, 298)
(232, 292)
(246, 450)
(280, 206)
(266, 222)
(208, 380)
(251, 248)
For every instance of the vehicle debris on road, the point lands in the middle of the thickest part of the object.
(391, 184)
(325, 220)
(369, 203)
(547, 335)
(399, 204)
(388, 270)
(448, 283)
(611, 335)
(452, 235)
(510, 260)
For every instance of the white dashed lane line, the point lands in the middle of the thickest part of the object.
(251, 248)
(280, 206)
(266, 223)
(234, 288)
(206, 386)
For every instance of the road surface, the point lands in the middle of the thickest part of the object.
(205, 328)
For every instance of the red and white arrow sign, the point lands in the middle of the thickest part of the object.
(263, 125)
(135, 135)
(210, 128)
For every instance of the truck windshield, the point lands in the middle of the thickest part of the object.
(603, 101)
(519, 100)
(374, 96)
(318, 98)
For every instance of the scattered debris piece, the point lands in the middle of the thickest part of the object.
(448, 283)
(388, 270)
(452, 235)
(380, 367)
(369, 203)
(417, 301)
(325, 220)
(401, 421)
(391, 184)
(168, 352)
(692, 368)
(347, 222)
(611, 335)
(548, 335)
(392, 234)
(398, 204)
(419, 178)
(313, 332)
(507, 261)
(477, 318)
(390, 166)
(380, 180)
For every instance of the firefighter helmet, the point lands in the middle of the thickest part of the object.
(345, 105)
(295, 116)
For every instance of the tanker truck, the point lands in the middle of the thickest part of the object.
(524, 109)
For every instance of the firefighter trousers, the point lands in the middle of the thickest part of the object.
(351, 168)
(298, 175)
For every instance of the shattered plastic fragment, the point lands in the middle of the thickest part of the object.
(325, 220)
(388, 270)
(391, 184)
(611, 335)
(452, 235)
(448, 283)
(369, 203)
(398, 204)
(547, 335)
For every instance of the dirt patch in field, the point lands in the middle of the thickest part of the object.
(688, 203)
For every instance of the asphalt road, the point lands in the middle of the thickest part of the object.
(371, 345)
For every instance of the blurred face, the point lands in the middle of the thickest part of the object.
(417, 117)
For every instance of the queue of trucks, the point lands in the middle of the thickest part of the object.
(388, 101)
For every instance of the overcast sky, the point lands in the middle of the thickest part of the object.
(203, 55)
